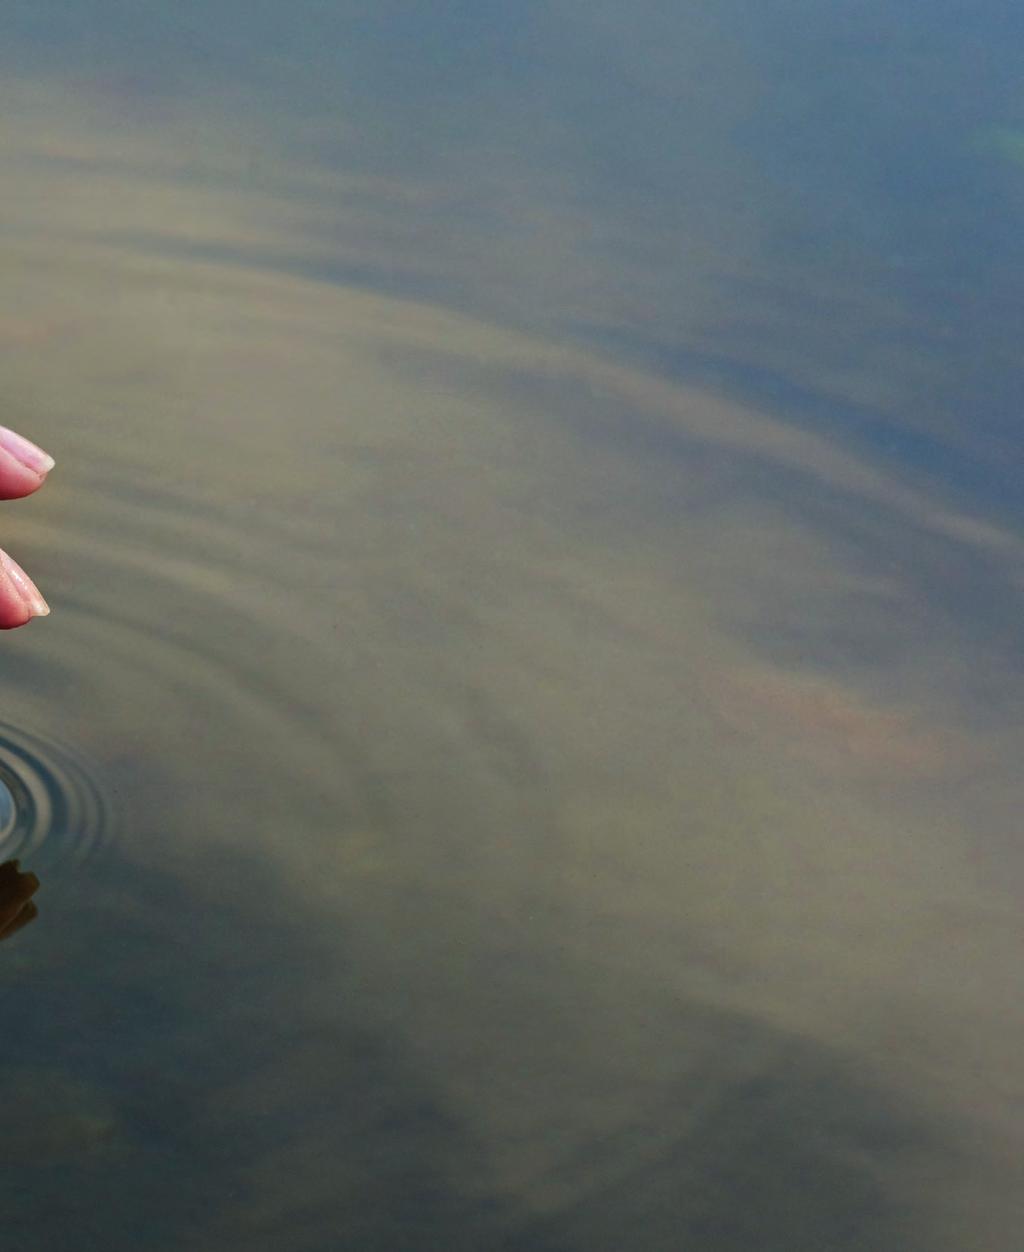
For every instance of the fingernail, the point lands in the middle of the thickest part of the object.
(27, 589)
(27, 453)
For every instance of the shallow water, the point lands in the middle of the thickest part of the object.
(525, 753)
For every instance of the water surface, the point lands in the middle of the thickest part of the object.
(525, 754)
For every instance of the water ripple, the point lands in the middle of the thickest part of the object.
(51, 810)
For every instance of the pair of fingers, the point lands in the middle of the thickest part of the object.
(23, 469)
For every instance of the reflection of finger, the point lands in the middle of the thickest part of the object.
(23, 466)
(15, 886)
(20, 599)
(10, 912)
(28, 913)
(15, 890)
(9, 874)
(12, 878)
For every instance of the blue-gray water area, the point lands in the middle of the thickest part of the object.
(525, 750)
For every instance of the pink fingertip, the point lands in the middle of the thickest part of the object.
(25, 451)
(25, 587)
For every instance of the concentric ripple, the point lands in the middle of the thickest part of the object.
(50, 808)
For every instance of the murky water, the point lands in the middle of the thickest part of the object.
(525, 753)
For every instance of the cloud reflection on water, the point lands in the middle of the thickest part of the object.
(613, 870)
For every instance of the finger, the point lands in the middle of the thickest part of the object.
(20, 599)
(23, 466)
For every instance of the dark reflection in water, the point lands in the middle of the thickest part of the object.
(17, 907)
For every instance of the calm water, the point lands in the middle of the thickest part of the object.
(526, 751)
